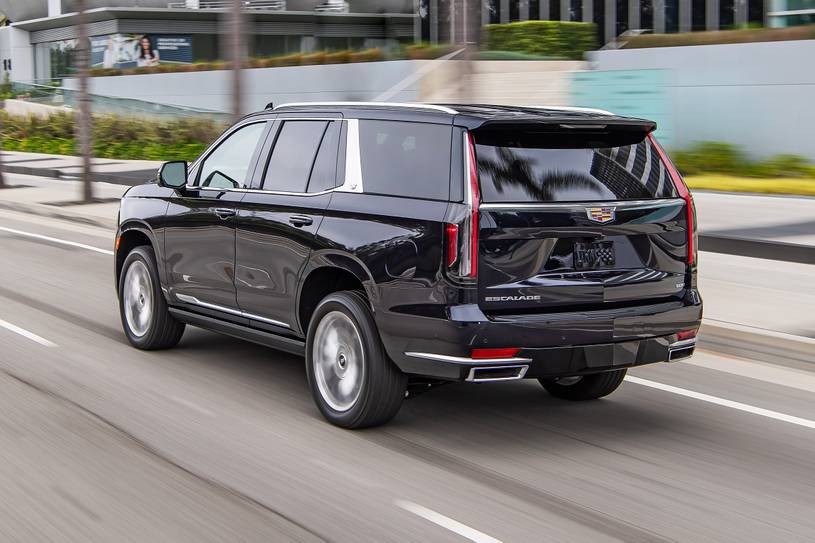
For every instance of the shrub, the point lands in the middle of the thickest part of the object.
(711, 157)
(558, 39)
(425, 51)
(113, 136)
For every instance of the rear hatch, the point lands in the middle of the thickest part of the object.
(577, 218)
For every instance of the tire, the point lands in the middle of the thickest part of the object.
(588, 387)
(354, 383)
(146, 321)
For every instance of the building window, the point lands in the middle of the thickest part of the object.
(698, 17)
(576, 10)
(646, 14)
(726, 15)
(622, 16)
(755, 12)
(671, 16)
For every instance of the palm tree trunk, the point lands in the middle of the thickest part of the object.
(237, 46)
(85, 120)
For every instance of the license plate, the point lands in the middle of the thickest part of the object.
(593, 255)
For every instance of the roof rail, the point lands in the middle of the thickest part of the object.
(416, 105)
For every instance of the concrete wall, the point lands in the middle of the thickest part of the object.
(757, 95)
(510, 82)
(211, 90)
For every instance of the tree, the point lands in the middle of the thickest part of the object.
(237, 53)
(85, 121)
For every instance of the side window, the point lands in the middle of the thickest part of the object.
(405, 158)
(293, 156)
(228, 165)
(324, 172)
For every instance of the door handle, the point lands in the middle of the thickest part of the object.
(224, 213)
(301, 220)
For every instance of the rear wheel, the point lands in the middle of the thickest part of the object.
(584, 387)
(354, 383)
(145, 319)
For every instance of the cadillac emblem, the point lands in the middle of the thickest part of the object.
(601, 214)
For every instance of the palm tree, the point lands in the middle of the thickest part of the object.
(85, 121)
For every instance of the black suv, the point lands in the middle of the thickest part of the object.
(403, 246)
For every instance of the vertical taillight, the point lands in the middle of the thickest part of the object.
(462, 236)
(684, 193)
(472, 198)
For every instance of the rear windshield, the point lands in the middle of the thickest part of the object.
(515, 168)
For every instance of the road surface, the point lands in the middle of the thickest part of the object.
(218, 440)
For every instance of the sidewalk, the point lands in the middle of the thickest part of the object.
(106, 170)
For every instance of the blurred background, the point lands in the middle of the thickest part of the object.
(218, 440)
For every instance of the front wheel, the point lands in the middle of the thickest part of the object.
(584, 387)
(354, 383)
(146, 320)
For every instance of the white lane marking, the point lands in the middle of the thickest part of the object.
(193, 406)
(57, 240)
(26, 334)
(446, 522)
(806, 423)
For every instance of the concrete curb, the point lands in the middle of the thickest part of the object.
(52, 212)
(129, 178)
(788, 350)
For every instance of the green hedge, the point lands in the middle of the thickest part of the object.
(545, 38)
(113, 137)
(747, 35)
(712, 157)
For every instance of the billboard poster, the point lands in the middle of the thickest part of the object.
(138, 50)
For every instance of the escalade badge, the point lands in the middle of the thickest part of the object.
(601, 214)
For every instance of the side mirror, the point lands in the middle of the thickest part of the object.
(173, 174)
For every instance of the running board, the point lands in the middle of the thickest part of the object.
(289, 345)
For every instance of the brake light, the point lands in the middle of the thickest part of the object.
(686, 334)
(684, 193)
(481, 354)
(452, 244)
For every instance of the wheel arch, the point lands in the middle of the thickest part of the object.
(329, 272)
(133, 234)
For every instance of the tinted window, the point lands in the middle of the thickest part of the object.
(324, 172)
(405, 159)
(516, 169)
(293, 155)
(227, 166)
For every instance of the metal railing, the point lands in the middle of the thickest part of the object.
(270, 5)
(62, 97)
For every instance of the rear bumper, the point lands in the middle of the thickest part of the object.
(553, 361)
(552, 345)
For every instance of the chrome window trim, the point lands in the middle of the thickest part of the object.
(407, 105)
(626, 204)
(186, 298)
(352, 179)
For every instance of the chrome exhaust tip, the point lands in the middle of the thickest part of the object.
(497, 373)
(681, 349)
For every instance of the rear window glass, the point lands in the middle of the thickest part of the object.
(405, 159)
(529, 169)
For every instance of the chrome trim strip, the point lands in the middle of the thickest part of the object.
(685, 343)
(467, 360)
(353, 160)
(471, 377)
(186, 298)
(629, 204)
(434, 107)
(261, 191)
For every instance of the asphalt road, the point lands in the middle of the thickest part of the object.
(218, 440)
